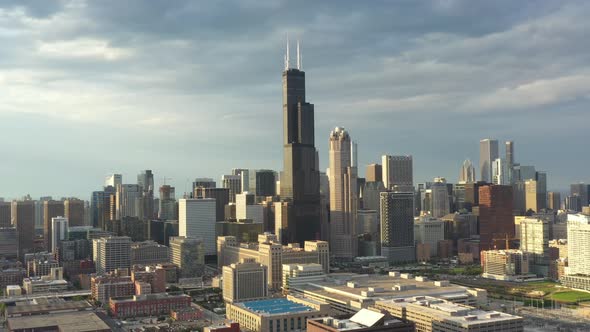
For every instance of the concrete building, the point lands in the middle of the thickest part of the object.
(234, 184)
(111, 253)
(374, 173)
(196, 218)
(343, 196)
(188, 253)
(5, 217)
(59, 232)
(147, 305)
(102, 288)
(363, 321)
(508, 265)
(397, 226)
(246, 208)
(270, 253)
(149, 253)
(295, 275)
(488, 152)
(222, 199)
(226, 327)
(277, 314)
(435, 314)
(429, 231)
(51, 209)
(397, 171)
(245, 281)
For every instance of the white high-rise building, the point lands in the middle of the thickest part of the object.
(467, 174)
(196, 218)
(343, 196)
(397, 171)
(578, 242)
(439, 198)
(111, 253)
(488, 152)
(246, 207)
(113, 180)
(500, 172)
(59, 232)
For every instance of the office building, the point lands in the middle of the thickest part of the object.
(196, 218)
(467, 173)
(245, 281)
(222, 199)
(23, 219)
(507, 265)
(188, 253)
(277, 314)
(295, 275)
(509, 145)
(397, 171)
(128, 201)
(246, 208)
(429, 231)
(111, 253)
(204, 183)
(374, 173)
(100, 207)
(582, 191)
(397, 226)
(488, 152)
(244, 230)
(8, 242)
(145, 181)
(534, 240)
(167, 208)
(113, 180)
(553, 200)
(496, 221)
(5, 217)
(272, 254)
(74, 211)
(431, 314)
(103, 287)
(265, 183)
(500, 172)
(59, 232)
(439, 198)
(51, 209)
(300, 179)
(343, 196)
(149, 253)
(234, 184)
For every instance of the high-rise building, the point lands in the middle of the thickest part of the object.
(573, 203)
(188, 253)
(51, 209)
(541, 178)
(129, 201)
(39, 212)
(234, 184)
(59, 232)
(496, 221)
(488, 152)
(100, 207)
(204, 183)
(265, 183)
(578, 240)
(553, 200)
(500, 172)
(534, 240)
(8, 244)
(221, 196)
(167, 210)
(343, 196)
(397, 226)
(5, 218)
(113, 180)
(300, 179)
(196, 218)
(246, 208)
(581, 190)
(509, 160)
(397, 171)
(145, 181)
(74, 211)
(467, 174)
(111, 253)
(23, 219)
(246, 280)
(374, 173)
(429, 231)
(439, 198)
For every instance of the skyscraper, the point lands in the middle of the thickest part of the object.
(374, 173)
(343, 196)
(234, 184)
(581, 190)
(495, 215)
(59, 232)
(167, 209)
(439, 197)
(300, 179)
(74, 211)
(467, 174)
(51, 209)
(23, 219)
(397, 171)
(145, 180)
(188, 254)
(510, 160)
(488, 152)
(110, 253)
(113, 180)
(5, 208)
(265, 182)
(500, 172)
(397, 226)
(196, 218)
(553, 200)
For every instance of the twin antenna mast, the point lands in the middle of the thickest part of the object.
(299, 57)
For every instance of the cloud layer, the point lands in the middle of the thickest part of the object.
(192, 88)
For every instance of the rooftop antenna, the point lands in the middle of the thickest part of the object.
(287, 55)
(298, 56)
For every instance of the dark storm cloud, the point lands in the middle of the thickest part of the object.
(178, 86)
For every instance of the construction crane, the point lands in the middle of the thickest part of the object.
(164, 180)
(504, 237)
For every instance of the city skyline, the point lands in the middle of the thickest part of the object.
(112, 103)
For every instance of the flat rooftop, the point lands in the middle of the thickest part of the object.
(38, 308)
(67, 322)
(275, 306)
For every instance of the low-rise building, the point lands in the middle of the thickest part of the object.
(103, 288)
(277, 314)
(13, 290)
(434, 314)
(295, 275)
(148, 253)
(363, 321)
(227, 327)
(81, 321)
(186, 314)
(147, 305)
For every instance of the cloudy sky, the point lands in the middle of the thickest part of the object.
(193, 88)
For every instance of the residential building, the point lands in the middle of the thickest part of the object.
(111, 253)
(51, 209)
(508, 265)
(188, 253)
(397, 226)
(104, 287)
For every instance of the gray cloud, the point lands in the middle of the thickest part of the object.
(192, 88)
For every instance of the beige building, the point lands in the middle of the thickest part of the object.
(270, 253)
(148, 253)
(188, 253)
(374, 173)
(295, 275)
(111, 253)
(435, 314)
(245, 281)
(510, 265)
(530, 195)
(276, 314)
(578, 241)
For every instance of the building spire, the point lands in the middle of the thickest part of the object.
(299, 67)
(287, 55)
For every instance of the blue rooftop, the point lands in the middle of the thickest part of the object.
(275, 306)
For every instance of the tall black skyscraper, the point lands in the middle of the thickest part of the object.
(300, 180)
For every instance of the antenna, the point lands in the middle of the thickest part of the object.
(298, 56)
(287, 55)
